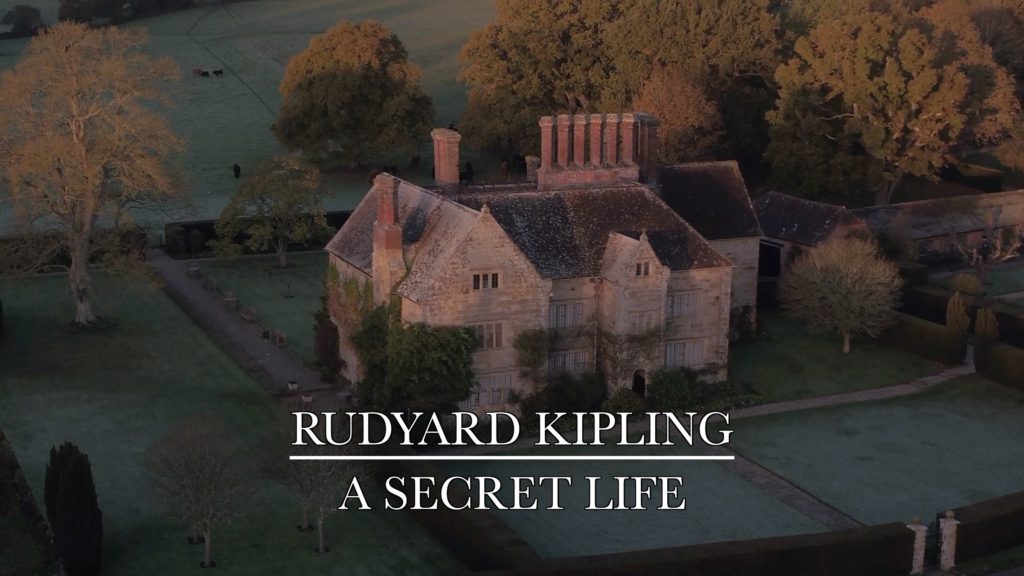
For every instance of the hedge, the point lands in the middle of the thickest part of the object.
(917, 336)
(884, 550)
(1005, 365)
(189, 239)
(990, 526)
(929, 303)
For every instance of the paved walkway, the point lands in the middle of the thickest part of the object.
(273, 367)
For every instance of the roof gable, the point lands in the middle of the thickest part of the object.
(712, 197)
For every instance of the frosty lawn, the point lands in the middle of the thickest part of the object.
(719, 506)
(114, 392)
(896, 459)
(796, 364)
(284, 299)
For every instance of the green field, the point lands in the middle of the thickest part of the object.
(227, 120)
(794, 363)
(116, 391)
(284, 299)
(896, 459)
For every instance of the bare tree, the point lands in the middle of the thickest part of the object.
(995, 247)
(319, 484)
(842, 286)
(196, 470)
(82, 140)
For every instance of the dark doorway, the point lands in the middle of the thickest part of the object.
(640, 383)
(770, 260)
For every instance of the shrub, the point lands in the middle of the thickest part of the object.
(624, 400)
(682, 389)
(986, 337)
(958, 325)
(967, 284)
(326, 341)
(1005, 364)
(72, 510)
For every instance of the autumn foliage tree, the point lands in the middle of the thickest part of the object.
(877, 94)
(353, 94)
(279, 204)
(83, 140)
(842, 286)
(691, 128)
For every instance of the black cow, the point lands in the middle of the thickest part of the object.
(205, 74)
(218, 73)
(238, 171)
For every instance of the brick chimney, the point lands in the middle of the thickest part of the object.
(388, 265)
(446, 156)
(597, 149)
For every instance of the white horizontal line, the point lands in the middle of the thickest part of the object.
(514, 458)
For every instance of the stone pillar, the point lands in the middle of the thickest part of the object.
(947, 542)
(446, 156)
(532, 164)
(388, 265)
(920, 538)
(563, 141)
(611, 139)
(579, 144)
(596, 126)
(628, 139)
(547, 135)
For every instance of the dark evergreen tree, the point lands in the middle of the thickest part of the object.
(73, 511)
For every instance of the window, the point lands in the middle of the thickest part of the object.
(643, 268)
(682, 304)
(688, 353)
(565, 315)
(490, 390)
(569, 361)
(485, 281)
(641, 322)
(488, 336)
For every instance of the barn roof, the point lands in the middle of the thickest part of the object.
(793, 219)
(712, 197)
(931, 218)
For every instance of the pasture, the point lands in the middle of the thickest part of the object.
(227, 120)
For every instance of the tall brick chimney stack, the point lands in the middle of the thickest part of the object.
(388, 262)
(446, 156)
(597, 149)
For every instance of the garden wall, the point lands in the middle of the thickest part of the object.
(884, 550)
(989, 526)
(917, 336)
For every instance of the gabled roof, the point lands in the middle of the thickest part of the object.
(564, 233)
(712, 197)
(793, 219)
(930, 218)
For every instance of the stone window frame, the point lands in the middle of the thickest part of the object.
(682, 304)
(678, 353)
(485, 280)
(565, 314)
(643, 269)
(488, 335)
(641, 321)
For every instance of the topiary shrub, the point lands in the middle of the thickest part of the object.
(958, 325)
(72, 510)
(967, 284)
(986, 337)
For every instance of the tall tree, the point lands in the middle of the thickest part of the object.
(83, 140)
(72, 510)
(842, 286)
(691, 128)
(875, 96)
(23, 19)
(197, 471)
(279, 204)
(353, 94)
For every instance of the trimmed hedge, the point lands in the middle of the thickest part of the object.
(929, 303)
(990, 526)
(884, 550)
(189, 239)
(1004, 364)
(917, 336)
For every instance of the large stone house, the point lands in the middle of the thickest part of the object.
(588, 253)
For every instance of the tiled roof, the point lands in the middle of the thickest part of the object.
(930, 218)
(564, 233)
(712, 197)
(793, 219)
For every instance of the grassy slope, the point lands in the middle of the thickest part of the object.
(283, 299)
(896, 459)
(115, 392)
(796, 364)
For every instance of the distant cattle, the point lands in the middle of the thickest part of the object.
(197, 71)
(205, 74)
(218, 73)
